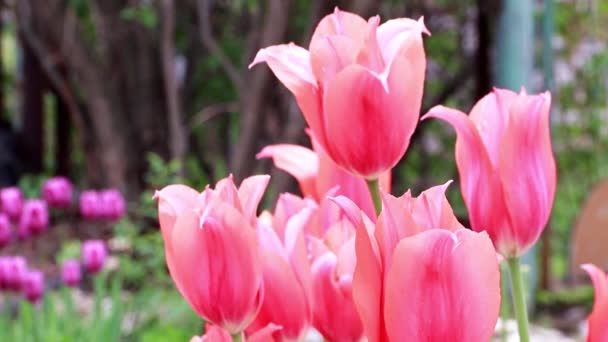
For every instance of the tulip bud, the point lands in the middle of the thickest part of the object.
(90, 205)
(5, 230)
(11, 202)
(113, 204)
(12, 271)
(34, 217)
(70, 272)
(32, 285)
(57, 191)
(94, 255)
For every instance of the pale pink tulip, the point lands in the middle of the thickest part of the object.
(211, 248)
(506, 165)
(597, 322)
(319, 176)
(359, 86)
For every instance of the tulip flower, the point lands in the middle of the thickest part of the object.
(34, 218)
(94, 254)
(113, 204)
(506, 166)
(359, 86)
(598, 320)
(383, 264)
(57, 192)
(319, 176)
(12, 271)
(287, 279)
(213, 333)
(70, 272)
(32, 286)
(11, 202)
(211, 248)
(90, 205)
(5, 230)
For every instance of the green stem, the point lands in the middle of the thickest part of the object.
(238, 337)
(374, 190)
(504, 307)
(519, 299)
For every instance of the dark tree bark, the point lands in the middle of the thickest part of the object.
(483, 66)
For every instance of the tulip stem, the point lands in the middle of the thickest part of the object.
(519, 299)
(374, 189)
(238, 337)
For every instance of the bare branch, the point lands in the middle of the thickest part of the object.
(204, 18)
(212, 111)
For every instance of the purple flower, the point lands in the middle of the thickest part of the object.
(32, 285)
(5, 230)
(57, 191)
(70, 272)
(11, 202)
(34, 218)
(90, 204)
(113, 204)
(94, 255)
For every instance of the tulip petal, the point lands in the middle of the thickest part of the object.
(213, 333)
(339, 23)
(330, 55)
(251, 192)
(264, 334)
(382, 111)
(527, 167)
(432, 209)
(398, 35)
(395, 222)
(172, 201)
(370, 55)
(598, 329)
(428, 288)
(300, 162)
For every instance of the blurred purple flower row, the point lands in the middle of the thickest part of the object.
(16, 276)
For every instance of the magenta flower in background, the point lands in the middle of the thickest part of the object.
(34, 218)
(12, 271)
(57, 191)
(11, 202)
(5, 230)
(94, 255)
(90, 204)
(32, 285)
(113, 204)
(70, 272)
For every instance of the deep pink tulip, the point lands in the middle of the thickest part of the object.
(506, 166)
(12, 271)
(413, 222)
(90, 205)
(6, 233)
(597, 322)
(32, 285)
(57, 192)
(113, 204)
(319, 176)
(211, 248)
(94, 254)
(359, 86)
(34, 218)
(286, 278)
(70, 272)
(11, 202)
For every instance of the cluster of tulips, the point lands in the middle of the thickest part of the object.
(17, 277)
(349, 259)
(31, 216)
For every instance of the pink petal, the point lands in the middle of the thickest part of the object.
(172, 201)
(396, 34)
(213, 333)
(360, 107)
(330, 55)
(370, 55)
(300, 162)
(395, 222)
(429, 294)
(334, 312)
(264, 334)
(340, 23)
(295, 246)
(251, 192)
(432, 209)
(598, 329)
(527, 168)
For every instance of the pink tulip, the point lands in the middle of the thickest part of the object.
(32, 286)
(90, 205)
(11, 202)
(5, 230)
(113, 204)
(57, 192)
(12, 271)
(413, 222)
(506, 166)
(94, 254)
(211, 248)
(319, 176)
(70, 272)
(287, 279)
(213, 333)
(34, 218)
(598, 320)
(359, 86)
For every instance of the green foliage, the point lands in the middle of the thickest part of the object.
(145, 14)
(31, 184)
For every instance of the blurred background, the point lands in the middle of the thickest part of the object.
(136, 94)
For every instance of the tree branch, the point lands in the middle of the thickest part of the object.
(204, 18)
